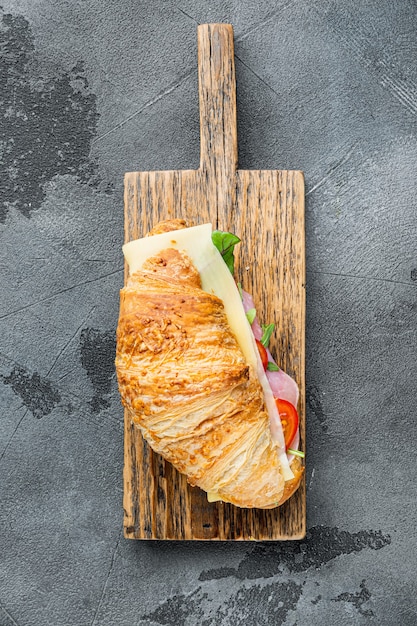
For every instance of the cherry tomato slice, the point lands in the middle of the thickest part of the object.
(289, 419)
(263, 354)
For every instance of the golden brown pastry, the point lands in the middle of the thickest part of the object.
(187, 385)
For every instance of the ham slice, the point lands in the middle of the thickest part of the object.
(282, 385)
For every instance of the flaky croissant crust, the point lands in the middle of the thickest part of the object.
(187, 386)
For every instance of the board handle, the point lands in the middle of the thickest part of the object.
(217, 95)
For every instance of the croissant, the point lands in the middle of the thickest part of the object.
(189, 388)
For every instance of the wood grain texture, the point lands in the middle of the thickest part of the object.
(265, 209)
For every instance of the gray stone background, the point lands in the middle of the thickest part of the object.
(92, 89)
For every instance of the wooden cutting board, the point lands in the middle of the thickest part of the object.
(265, 208)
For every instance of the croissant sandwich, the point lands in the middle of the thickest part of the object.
(195, 373)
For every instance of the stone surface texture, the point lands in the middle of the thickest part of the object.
(91, 89)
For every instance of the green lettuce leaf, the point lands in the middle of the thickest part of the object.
(225, 243)
(272, 367)
(267, 330)
(251, 314)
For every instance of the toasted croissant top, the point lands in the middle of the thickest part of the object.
(185, 382)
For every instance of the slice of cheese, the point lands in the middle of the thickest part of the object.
(216, 278)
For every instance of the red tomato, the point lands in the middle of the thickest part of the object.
(289, 419)
(263, 354)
